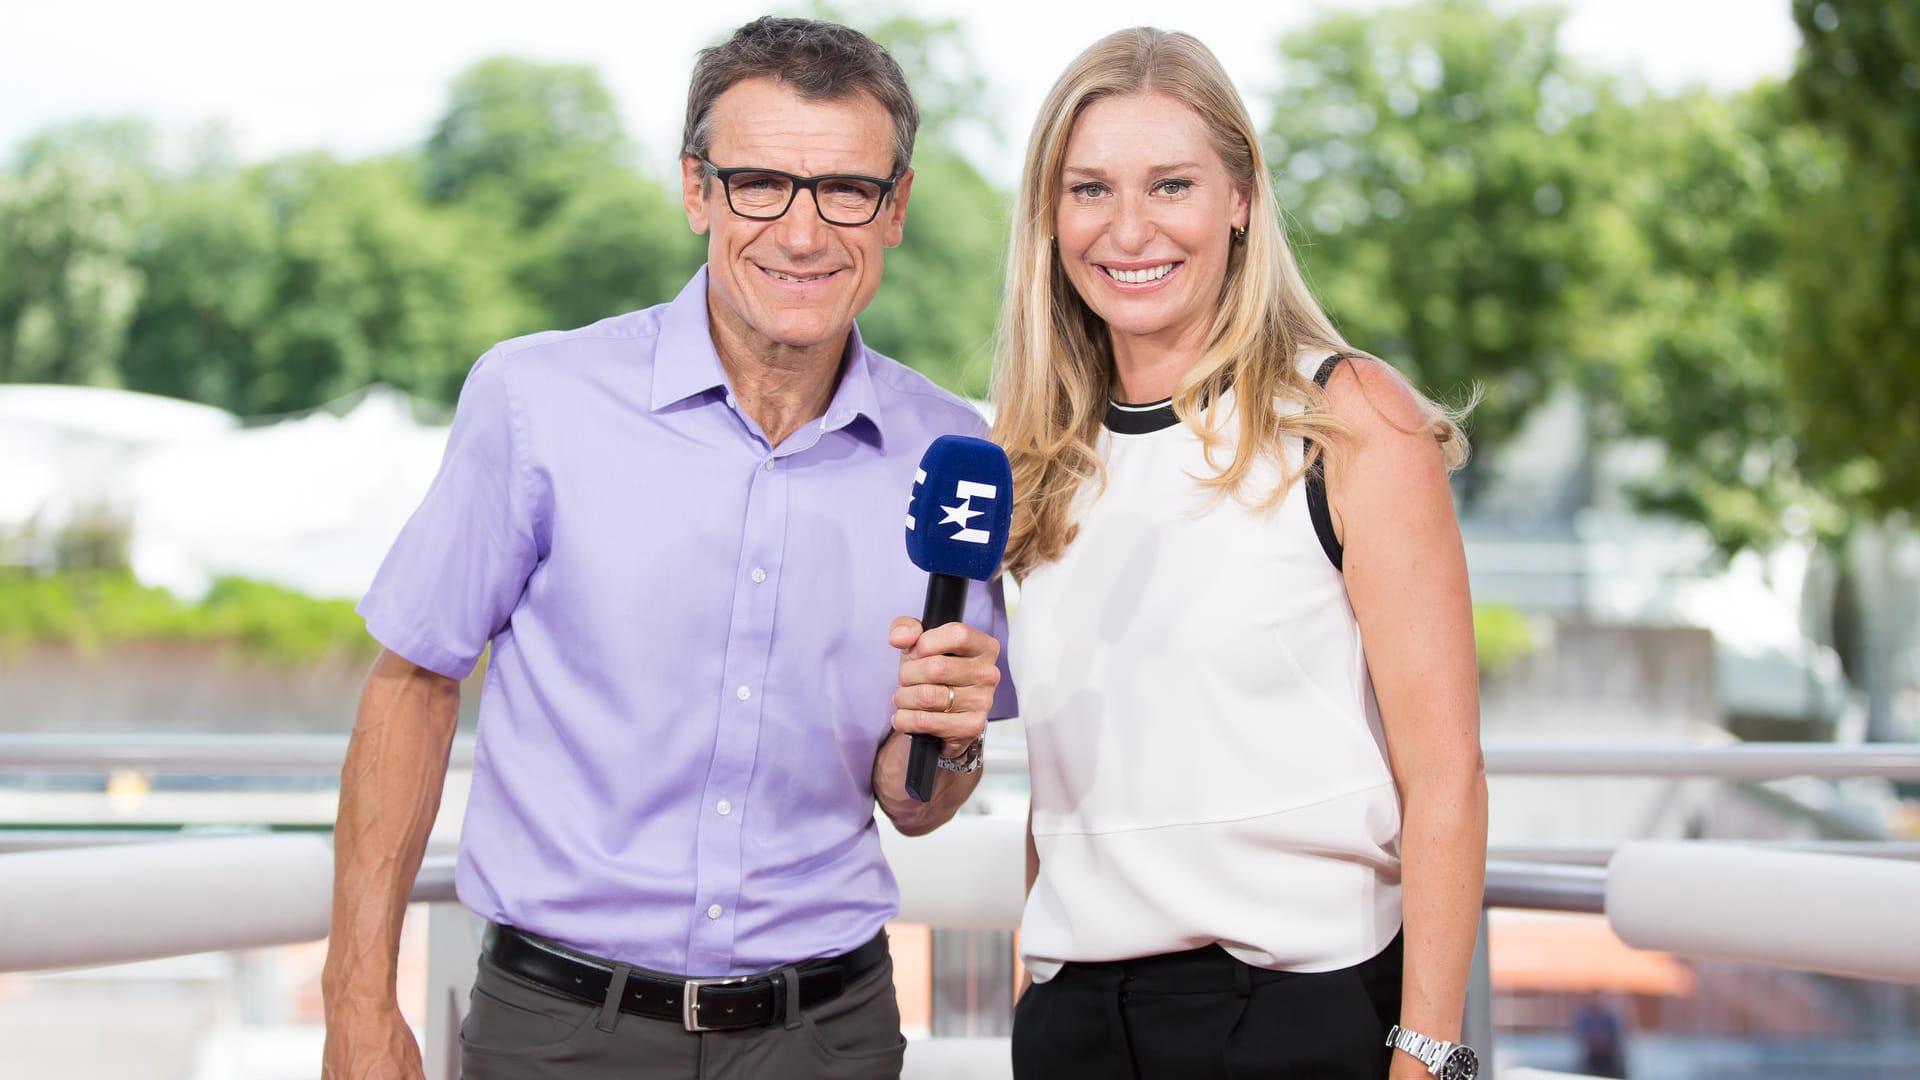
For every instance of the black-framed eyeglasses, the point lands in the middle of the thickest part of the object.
(767, 194)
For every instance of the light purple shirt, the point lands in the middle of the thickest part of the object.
(690, 672)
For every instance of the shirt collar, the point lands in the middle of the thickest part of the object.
(686, 364)
(855, 398)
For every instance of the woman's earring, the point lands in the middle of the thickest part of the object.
(1239, 234)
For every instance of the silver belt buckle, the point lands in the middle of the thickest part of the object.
(690, 999)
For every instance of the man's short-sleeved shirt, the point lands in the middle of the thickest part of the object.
(690, 673)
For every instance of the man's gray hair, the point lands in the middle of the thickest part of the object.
(820, 61)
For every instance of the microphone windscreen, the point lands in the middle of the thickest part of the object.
(961, 509)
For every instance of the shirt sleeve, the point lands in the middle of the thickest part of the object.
(459, 566)
(1006, 700)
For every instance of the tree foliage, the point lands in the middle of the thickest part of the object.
(280, 286)
(1692, 309)
(1436, 163)
(1852, 268)
(619, 242)
(95, 610)
(70, 219)
(372, 286)
(1731, 276)
(936, 310)
(208, 257)
(525, 133)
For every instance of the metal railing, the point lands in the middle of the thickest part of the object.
(966, 877)
(230, 755)
(256, 754)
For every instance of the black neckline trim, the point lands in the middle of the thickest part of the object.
(1140, 419)
(1155, 416)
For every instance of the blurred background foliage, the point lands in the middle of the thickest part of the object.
(94, 611)
(1733, 277)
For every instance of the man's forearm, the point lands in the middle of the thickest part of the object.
(389, 794)
(911, 816)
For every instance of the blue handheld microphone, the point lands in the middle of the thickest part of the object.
(957, 524)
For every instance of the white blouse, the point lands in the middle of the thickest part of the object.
(1207, 757)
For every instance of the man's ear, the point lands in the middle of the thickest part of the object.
(693, 194)
(895, 213)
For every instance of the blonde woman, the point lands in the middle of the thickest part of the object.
(1245, 643)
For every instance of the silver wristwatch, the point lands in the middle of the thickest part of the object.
(1448, 1061)
(969, 759)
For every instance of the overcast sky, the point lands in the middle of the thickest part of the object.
(362, 76)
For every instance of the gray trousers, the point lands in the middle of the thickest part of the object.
(516, 1030)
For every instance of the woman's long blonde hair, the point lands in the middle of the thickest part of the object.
(1054, 359)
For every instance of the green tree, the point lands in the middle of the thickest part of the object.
(620, 242)
(209, 257)
(70, 218)
(1688, 351)
(523, 135)
(1436, 162)
(941, 295)
(539, 148)
(370, 285)
(1852, 261)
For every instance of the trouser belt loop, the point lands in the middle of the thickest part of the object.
(1242, 978)
(790, 980)
(616, 993)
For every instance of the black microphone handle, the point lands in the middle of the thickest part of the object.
(946, 602)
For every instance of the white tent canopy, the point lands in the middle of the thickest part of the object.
(310, 502)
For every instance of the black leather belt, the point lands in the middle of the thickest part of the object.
(718, 1004)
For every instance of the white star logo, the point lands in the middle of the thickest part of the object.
(960, 515)
(967, 491)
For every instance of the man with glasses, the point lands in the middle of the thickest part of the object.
(680, 531)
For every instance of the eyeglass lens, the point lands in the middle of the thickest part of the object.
(842, 200)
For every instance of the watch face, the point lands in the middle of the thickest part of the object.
(1461, 1064)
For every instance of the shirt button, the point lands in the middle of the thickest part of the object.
(743, 693)
(731, 403)
(767, 465)
(759, 575)
(713, 912)
(723, 807)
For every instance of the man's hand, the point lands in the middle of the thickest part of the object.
(370, 1042)
(947, 678)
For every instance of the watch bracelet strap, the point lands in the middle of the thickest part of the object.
(1428, 1051)
(969, 760)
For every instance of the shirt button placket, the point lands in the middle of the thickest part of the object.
(749, 638)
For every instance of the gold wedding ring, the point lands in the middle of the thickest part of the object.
(950, 696)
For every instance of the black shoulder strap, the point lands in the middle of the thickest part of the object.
(1317, 479)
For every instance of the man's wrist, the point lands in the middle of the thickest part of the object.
(967, 758)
